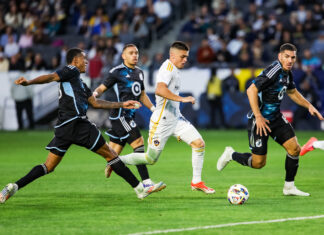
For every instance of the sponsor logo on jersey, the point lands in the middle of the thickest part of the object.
(132, 123)
(258, 143)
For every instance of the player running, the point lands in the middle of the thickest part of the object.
(265, 95)
(126, 82)
(167, 120)
(73, 127)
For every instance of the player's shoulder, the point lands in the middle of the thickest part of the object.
(272, 69)
(167, 67)
(116, 69)
(68, 71)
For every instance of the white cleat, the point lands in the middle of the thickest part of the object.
(157, 188)
(7, 192)
(293, 191)
(145, 191)
(225, 158)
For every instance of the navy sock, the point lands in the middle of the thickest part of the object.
(120, 169)
(142, 169)
(244, 159)
(291, 167)
(35, 173)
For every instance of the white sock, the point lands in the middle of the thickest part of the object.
(139, 188)
(319, 144)
(289, 184)
(134, 158)
(197, 163)
(148, 182)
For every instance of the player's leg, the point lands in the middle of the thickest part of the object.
(284, 134)
(256, 159)
(186, 132)
(40, 170)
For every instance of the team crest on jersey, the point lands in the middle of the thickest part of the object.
(258, 143)
(136, 88)
(156, 142)
(132, 123)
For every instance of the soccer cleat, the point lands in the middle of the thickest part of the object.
(7, 192)
(108, 171)
(225, 158)
(157, 189)
(202, 187)
(308, 146)
(148, 190)
(293, 191)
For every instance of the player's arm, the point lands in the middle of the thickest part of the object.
(261, 122)
(146, 101)
(299, 99)
(163, 91)
(103, 104)
(99, 90)
(38, 80)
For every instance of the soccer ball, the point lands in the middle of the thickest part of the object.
(237, 194)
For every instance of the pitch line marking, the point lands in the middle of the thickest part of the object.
(228, 225)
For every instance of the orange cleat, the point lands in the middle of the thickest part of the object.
(202, 187)
(308, 146)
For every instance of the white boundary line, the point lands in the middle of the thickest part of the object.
(228, 225)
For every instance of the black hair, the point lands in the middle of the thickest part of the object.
(71, 53)
(288, 47)
(180, 46)
(128, 45)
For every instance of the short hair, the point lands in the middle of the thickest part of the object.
(128, 45)
(71, 53)
(288, 47)
(180, 46)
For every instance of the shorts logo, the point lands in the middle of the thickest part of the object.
(132, 123)
(258, 143)
(136, 88)
(156, 142)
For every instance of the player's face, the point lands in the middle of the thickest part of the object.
(130, 56)
(179, 57)
(81, 62)
(287, 59)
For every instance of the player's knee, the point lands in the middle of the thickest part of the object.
(152, 156)
(294, 151)
(258, 163)
(49, 168)
(199, 143)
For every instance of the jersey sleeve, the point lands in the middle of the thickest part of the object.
(66, 73)
(142, 80)
(110, 80)
(267, 77)
(292, 84)
(87, 90)
(164, 76)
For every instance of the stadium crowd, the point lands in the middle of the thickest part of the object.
(35, 35)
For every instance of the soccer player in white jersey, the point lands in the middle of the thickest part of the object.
(167, 120)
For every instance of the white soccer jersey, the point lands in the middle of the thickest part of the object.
(170, 75)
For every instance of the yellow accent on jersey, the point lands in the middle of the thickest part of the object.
(151, 134)
(170, 67)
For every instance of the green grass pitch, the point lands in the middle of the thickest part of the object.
(77, 199)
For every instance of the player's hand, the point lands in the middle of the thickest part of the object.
(21, 81)
(262, 126)
(95, 94)
(314, 112)
(188, 99)
(131, 104)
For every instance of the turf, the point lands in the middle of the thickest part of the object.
(77, 199)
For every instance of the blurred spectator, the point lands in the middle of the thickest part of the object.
(11, 48)
(4, 37)
(235, 45)
(39, 63)
(111, 52)
(29, 59)
(28, 20)
(250, 80)
(84, 29)
(205, 53)
(125, 35)
(311, 94)
(121, 3)
(214, 96)
(53, 27)
(223, 56)
(40, 37)
(55, 63)
(140, 32)
(13, 18)
(191, 27)
(311, 61)
(245, 60)
(234, 15)
(99, 23)
(230, 84)
(259, 54)
(204, 19)
(162, 9)
(26, 39)
(4, 63)
(16, 63)
(318, 45)
(213, 40)
(144, 61)
(156, 63)
(95, 66)
(23, 97)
